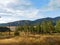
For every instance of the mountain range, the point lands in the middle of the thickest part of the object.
(29, 22)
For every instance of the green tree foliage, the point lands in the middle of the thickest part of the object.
(44, 27)
(4, 29)
(38, 28)
(50, 27)
(19, 28)
(25, 28)
(31, 29)
(57, 27)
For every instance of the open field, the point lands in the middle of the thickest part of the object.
(32, 40)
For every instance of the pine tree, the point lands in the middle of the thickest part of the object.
(44, 27)
(50, 27)
(57, 27)
(31, 29)
(38, 28)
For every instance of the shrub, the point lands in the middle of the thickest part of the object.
(16, 33)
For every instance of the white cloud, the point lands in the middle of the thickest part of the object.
(8, 11)
(9, 19)
(54, 4)
(17, 9)
(6, 2)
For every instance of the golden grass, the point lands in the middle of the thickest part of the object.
(32, 40)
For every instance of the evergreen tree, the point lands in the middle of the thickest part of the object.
(38, 28)
(31, 29)
(19, 28)
(57, 27)
(50, 27)
(44, 27)
(25, 28)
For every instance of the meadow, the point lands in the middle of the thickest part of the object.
(40, 34)
(31, 39)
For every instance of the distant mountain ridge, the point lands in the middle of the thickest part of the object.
(23, 22)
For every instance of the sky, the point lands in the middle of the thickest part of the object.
(14, 10)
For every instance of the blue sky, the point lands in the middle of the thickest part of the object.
(13, 10)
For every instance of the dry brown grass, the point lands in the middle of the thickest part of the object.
(32, 40)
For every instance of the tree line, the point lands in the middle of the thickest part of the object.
(46, 27)
(41, 28)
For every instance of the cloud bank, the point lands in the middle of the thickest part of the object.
(13, 10)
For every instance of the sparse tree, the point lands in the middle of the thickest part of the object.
(16, 33)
